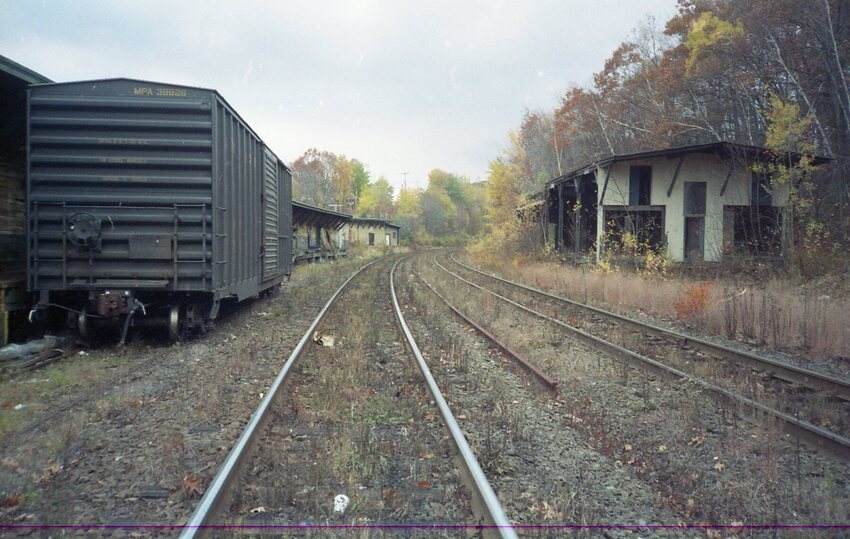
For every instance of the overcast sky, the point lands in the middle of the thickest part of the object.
(402, 86)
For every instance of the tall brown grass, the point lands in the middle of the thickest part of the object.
(775, 314)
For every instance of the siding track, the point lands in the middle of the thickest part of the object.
(748, 408)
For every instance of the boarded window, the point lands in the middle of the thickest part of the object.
(755, 230)
(371, 238)
(640, 186)
(694, 198)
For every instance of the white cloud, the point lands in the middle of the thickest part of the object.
(403, 86)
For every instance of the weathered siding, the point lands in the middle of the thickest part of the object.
(12, 217)
(707, 168)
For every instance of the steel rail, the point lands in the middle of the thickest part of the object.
(547, 381)
(813, 435)
(215, 496)
(792, 373)
(494, 508)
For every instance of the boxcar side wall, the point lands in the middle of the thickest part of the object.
(248, 203)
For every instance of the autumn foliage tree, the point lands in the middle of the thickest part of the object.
(719, 70)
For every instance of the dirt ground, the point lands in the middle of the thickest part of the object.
(151, 423)
(140, 447)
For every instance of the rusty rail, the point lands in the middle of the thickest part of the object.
(544, 379)
(791, 373)
(747, 408)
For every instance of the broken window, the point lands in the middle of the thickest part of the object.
(640, 185)
(761, 189)
(755, 230)
(647, 226)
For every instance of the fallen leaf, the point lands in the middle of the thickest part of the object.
(719, 466)
(662, 448)
(426, 455)
(193, 486)
(11, 464)
(12, 500)
(48, 472)
(627, 447)
(696, 441)
(461, 417)
(423, 484)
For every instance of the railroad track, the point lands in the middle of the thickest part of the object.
(791, 373)
(746, 407)
(485, 509)
(811, 396)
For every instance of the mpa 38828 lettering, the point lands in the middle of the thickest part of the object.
(160, 92)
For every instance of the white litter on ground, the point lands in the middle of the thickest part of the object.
(340, 503)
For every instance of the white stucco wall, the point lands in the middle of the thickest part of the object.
(695, 168)
(358, 234)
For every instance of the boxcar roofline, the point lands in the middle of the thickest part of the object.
(171, 85)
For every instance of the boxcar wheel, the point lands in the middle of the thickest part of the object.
(177, 330)
(83, 323)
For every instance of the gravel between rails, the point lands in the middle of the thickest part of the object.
(356, 420)
(701, 460)
(140, 454)
(546, 474)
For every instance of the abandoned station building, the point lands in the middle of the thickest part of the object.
(322, 234)
(700, 201)
(317, 233)
(373, 232)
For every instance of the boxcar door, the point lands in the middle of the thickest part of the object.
(285, 232)
(270, 216)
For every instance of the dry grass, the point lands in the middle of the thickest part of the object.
(776, 314)
(703, 461)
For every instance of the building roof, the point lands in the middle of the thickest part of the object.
(373, 221)
(21, 72)
(722, 149)
(306, 214)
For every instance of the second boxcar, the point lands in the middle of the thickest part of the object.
(150, 203)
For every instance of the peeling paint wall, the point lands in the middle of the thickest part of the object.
(707, 168)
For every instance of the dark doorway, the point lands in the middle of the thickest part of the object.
(694, 238)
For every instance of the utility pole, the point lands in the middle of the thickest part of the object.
(404, 182)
